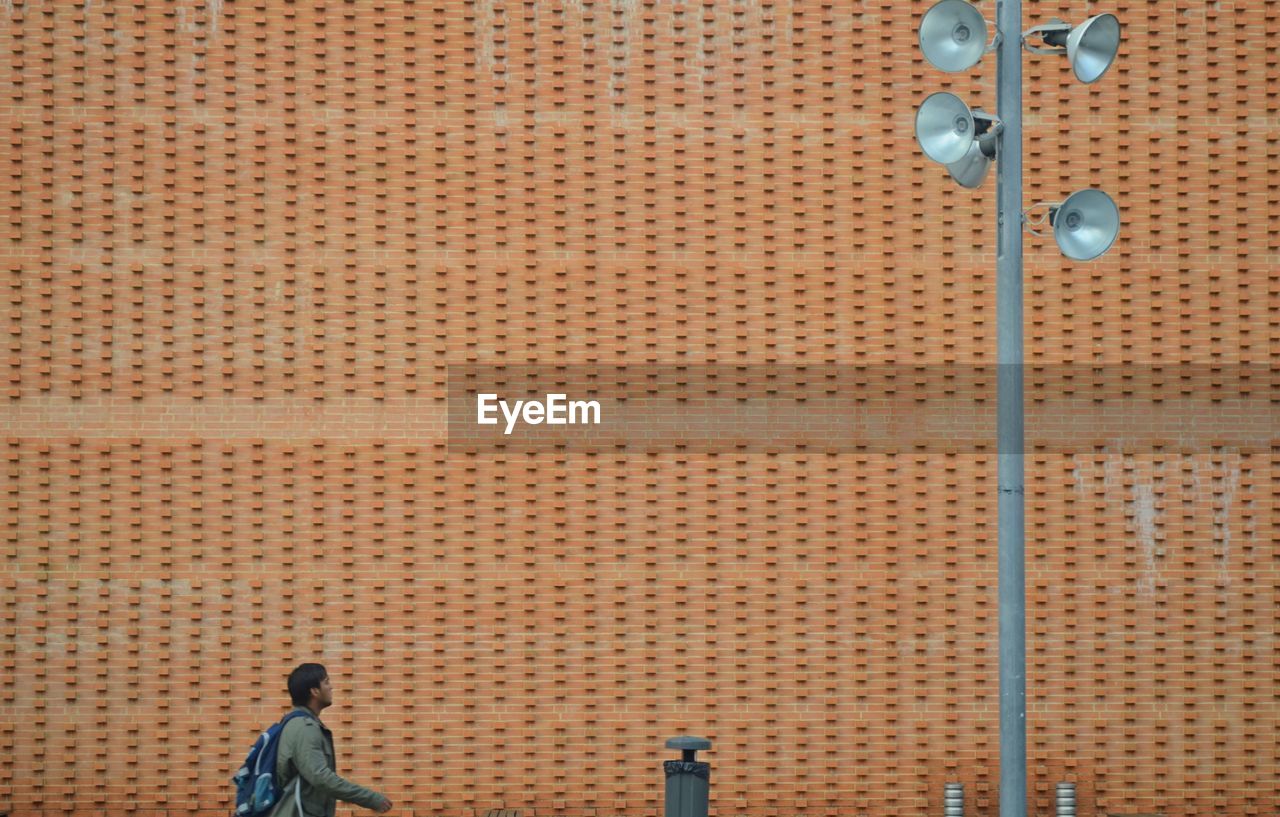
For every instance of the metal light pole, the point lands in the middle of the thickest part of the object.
(953, 37)
(1011, 580)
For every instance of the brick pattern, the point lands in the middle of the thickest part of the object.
(245, 241)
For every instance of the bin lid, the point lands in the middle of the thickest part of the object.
(686, 743)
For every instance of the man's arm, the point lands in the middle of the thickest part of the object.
(310, 761)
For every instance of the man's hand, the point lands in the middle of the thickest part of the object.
(384, 806)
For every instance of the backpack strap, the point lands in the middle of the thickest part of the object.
(297, 778)
(297, 795)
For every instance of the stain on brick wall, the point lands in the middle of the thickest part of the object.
(245, 242)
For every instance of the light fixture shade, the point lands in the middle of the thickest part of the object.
(945, 127)
(972, 169)
(1092, 46)
(1086, 224)
(953, 35)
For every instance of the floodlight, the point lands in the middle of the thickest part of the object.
(953, 35)
(945, 127)
(1085, 225)
(1090, 47)
(971, 170)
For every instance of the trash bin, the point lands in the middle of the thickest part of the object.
(688, 781)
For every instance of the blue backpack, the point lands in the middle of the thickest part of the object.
(257, 790)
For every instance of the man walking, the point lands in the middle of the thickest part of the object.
(306, 762)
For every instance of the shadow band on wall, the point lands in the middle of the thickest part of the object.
(878, 408)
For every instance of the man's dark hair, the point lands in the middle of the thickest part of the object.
(304, 679)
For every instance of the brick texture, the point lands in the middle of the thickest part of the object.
(243, 242)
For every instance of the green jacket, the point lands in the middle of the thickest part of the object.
(306, 758)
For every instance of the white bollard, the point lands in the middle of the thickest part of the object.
(1066, 800)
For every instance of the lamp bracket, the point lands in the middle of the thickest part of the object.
(984, 122)
(1054, 33)
(987, 130)
(987, 141)
(1030, 224)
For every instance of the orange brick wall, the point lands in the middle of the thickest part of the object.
(246, 241)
